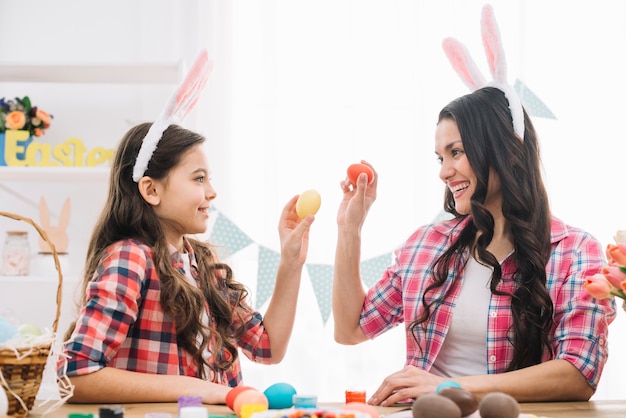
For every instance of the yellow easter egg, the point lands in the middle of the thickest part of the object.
(249, 397)
(308, 203)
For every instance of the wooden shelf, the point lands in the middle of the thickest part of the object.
(73, 174)
(168, 73)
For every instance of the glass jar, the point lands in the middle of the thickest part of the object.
(16, 254)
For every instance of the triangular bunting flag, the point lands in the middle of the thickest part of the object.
(266, 275)
(322, 279)
(534, 106)
(228, 237)
(372, 269)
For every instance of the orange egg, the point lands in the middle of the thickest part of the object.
(355, 169)
(247, 397)
(232, 394)
(362, 407)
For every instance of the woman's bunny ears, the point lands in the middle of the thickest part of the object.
(179, 104)
(470, 74)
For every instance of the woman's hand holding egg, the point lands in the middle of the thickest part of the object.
(355, 170)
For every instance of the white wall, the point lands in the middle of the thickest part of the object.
(300, 90)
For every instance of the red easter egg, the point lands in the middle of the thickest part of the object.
(355, 169)
(232, 394)
(250, 396)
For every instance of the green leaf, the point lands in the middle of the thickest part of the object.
(622, 269)
(27, 105)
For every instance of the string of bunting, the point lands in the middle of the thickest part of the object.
(534, 106)
(231, 239)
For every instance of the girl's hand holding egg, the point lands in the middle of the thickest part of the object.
(308, 203)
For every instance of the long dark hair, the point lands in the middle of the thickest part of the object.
(126, 215)
(484, 122)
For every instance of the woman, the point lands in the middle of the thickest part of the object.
(492, 298)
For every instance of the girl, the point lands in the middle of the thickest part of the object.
(492, 298)
(161, 316)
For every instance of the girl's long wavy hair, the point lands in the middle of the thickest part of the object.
(126, 215)
(484, 122)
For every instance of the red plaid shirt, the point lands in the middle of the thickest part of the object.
(581, 323)
(123, 325)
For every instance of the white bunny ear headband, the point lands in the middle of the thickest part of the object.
(179, 104)
(470, 74)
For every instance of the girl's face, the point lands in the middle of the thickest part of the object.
(185, 196)
(456, 171)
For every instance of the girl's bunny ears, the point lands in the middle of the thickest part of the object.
(179, 104)
(470, 74)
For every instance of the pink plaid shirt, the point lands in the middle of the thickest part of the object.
(123, 324)
(581, 323)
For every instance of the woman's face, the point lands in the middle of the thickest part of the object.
(457, 173)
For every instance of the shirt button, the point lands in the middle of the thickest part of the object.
(601, 341)
(492, 359)
(493, 314)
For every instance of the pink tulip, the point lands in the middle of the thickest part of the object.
(597, 286)
(616, 254)
(614, 275)
(43, 116)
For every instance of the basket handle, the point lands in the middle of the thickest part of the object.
(57, 264)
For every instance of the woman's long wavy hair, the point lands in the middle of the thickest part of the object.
(126, 215)
(484, 122)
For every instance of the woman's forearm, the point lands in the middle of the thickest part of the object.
(554, 380)
(348, 292)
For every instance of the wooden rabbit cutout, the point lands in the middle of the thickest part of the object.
(56, 233)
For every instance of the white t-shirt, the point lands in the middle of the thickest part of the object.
(464, 350)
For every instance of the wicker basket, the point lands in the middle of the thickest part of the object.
(22, 372)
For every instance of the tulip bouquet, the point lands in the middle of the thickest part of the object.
(611, 281)
(20, 114)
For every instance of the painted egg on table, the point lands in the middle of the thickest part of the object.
(249, 397)
(362, 407)
(498, 405)
(280, 395)
(356, 169)
(233, 393)
(463, 398)
(447, 384)
(308, 203)
(432, 405)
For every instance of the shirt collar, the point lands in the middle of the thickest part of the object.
(453, 227)
(177, 256)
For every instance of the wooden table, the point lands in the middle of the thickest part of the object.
(592, 409)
